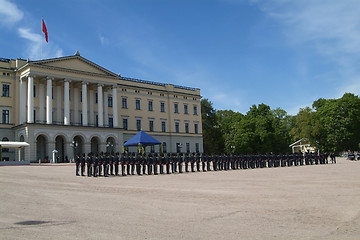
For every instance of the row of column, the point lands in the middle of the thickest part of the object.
(49, 106)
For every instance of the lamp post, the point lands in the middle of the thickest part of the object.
(109, 147)
(74, 145)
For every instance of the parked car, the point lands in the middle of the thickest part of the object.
(351, 156)
(358, 156)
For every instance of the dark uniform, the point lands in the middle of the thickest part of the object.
(95, 164)
(180, 161)
(82, 164)
(89, 164)
(168, 162)
(123, 164)
(77, 164)
(116, 163)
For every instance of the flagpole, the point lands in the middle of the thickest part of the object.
(41, 56)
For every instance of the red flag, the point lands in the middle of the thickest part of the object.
(44, 30)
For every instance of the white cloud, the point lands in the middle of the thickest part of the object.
(103, 40)
(36, 48)
(9, 13)
(331, 30)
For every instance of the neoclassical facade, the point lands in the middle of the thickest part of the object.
(72, 105)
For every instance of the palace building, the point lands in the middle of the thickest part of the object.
(72, 105)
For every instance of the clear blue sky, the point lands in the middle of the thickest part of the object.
(238, 52)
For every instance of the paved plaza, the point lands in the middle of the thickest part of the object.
(303, 202)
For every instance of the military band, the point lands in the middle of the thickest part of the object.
(105, 164)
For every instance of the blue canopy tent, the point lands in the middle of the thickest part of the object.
(142, 139)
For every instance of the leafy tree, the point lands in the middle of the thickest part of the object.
(228, 120)
(340, 119)
(212, 136)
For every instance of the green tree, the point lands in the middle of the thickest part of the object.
(340, 119)
(228, 121)
(212, 136)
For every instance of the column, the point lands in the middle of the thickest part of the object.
(115, 109)
(84, 104)
(106, 108)
(41, 102)
(30, 100)
(58, 104)
(76, 105)
(66, 102)
(22, 102)
(100, 106)
(49, 101)
(91, 107)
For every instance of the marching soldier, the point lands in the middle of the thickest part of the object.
(162, 163)
(168, 162)
(100, 163)
(174, 162)
(82, 164)
(156, 161)
(149, 162)
(106, 161)
(116, 163)
(89, 165)
(77, 163)
(180, 161)
(138, 160)
(204, 160)
(123, 164)
(187, 159)
(132, 162)
(192, 162)
(95, 162)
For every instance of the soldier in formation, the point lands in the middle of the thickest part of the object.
(105, 164)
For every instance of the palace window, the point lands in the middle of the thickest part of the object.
(176, 108)
(186, 111)
(137, 104)
(195, 110)
(162, 107)
(163, 126)
(196, 128)
(125, 123)
(124, 102)
(5, 116)
(151, 125)
(110, 101)
(187, 127)
(150, 105)
(177, 127)
(6, 90)
(138, 124)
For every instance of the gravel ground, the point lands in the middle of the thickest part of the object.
(304, 202)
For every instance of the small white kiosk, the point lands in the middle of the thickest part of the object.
(19, 146)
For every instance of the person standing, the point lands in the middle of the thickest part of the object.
(161, 160)
(123, 164)
(95, 162)
(180, 161)
(149, 162)
(82, 163)
(156, 162)
(332, 157)
(77, 164)
(168, 162)
(89, 165)
(116, 163)
(100, 163)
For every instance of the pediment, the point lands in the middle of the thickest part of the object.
(74, 63)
